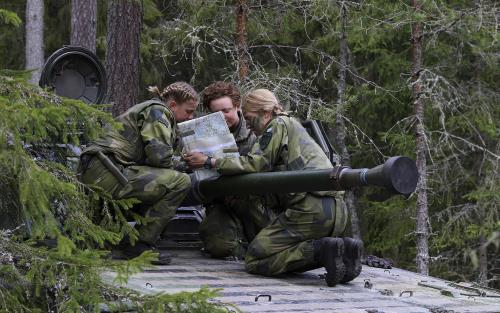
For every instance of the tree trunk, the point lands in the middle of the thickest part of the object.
(34, 39)
(483, 261)
(340, 131)
(84, 23)
(422, 232)
(241, 39)
(122, 54)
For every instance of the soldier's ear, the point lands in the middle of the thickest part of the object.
(172, 104)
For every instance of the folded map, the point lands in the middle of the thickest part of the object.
(209, 135)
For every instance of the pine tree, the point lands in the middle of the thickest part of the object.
(340, 128)
(84, 23)
(53, 251)
(122, 54)
(34, 38)
(241, 39)
(422, 208)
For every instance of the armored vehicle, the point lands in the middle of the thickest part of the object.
(77, 73)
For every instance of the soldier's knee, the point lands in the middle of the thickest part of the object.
(256, 251)
(221, 244)
(222, 250)
(184, 181)
(258, 267)
(250, 267)
(223, 247)
(177, 182)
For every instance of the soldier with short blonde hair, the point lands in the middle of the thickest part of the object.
(304, 234)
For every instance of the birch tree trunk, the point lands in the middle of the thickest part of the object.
(241, 39)
(422, 232)
(34, 39)
(84, 23)
(340, 131)
(122, 54)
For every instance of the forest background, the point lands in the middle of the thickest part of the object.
(414, 78)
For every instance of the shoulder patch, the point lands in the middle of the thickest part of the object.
(157, 115)
(265, 139)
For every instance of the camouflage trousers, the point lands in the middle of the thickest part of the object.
(287, 244)
(161, 190)
(231, 223)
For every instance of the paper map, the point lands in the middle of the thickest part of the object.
(209, 135)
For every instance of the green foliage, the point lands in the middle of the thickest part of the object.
(297, 56)
(183, 302)
(9, 17)
(11, 37)
(56, 13)
(30, 118)
(395, 217)
(51, 258)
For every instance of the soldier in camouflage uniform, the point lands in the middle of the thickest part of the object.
(136, 162)
(231, 222)
(302, 237)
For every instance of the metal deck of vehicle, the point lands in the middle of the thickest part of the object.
(375, 290)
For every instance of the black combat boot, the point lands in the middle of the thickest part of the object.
(130, 252)
(328, 252)
(352, 258)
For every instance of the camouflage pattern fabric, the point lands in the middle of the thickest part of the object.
(232, 222)
(147, 136)
(222, 232)
(142, 152)
(286, 244)
(244, 137)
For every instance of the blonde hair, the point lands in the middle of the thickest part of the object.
(179, 92)
(262, 100)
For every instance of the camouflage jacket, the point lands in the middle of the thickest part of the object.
(243, 136)
(147, 136)
(284, 146)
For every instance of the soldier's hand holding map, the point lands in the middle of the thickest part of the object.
(197, 160)
(203, 137)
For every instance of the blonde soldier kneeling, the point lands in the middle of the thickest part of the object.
(300, 237)
(136, 162)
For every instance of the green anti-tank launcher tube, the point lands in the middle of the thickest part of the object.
(398, 174)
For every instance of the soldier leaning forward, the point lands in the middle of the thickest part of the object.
(302, 236)
(231, 222)
(136, 162)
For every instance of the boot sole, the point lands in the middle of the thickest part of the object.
(352, 259)
(335, 270)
